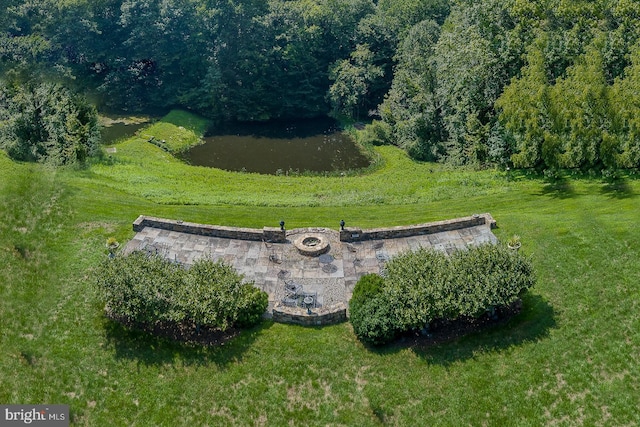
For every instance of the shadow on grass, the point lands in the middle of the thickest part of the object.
(617, 189)
(150, 349)
(532, 324)
(558, 188)
(555, 184)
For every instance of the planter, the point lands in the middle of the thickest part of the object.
(514, 246)
(112, 247)
(514, 243)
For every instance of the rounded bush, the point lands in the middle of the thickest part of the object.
(428, 285)
(367, 287)
(369, 312)
(251, 306)
(149, 289)
(373, 321)
(377, 133)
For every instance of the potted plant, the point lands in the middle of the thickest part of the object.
(112, 244)
(514, 242)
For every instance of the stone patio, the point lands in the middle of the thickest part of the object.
(332, 275)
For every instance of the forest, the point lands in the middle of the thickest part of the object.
(541, 84)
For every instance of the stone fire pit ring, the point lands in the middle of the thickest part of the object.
(311, 244)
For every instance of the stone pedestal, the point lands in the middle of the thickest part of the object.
(274, 235)
(350, 234)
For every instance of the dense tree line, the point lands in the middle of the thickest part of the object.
(228, 59)
(47, 123)
(539, 83)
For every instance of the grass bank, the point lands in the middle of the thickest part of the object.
(176, 132)
(570, 358)
(143, 169)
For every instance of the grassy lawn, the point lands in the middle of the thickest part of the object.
(570, 358)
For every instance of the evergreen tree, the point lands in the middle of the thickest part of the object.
(411, 107)
(524, 111)
(47, 123)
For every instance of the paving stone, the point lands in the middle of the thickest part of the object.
(333, 281)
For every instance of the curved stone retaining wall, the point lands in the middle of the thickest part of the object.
(276, 235)
(350, 234)
(267, 234)
(318, 317)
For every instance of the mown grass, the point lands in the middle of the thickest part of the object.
(570, 358)
(144, 169)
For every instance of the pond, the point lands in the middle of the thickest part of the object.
(115, 129)
(277, 147)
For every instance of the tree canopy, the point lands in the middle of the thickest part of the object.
(47, 123)
(538, 83)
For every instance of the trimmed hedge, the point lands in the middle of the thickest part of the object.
(426, 285)
(149, 288)
(369, 286)
(368, 313)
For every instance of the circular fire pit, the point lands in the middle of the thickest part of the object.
(311, 244)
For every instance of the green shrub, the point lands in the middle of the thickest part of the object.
(209, 293)
(140, 287)
(426, 285)
(489, 276)
(373, 320)
(252, 304)
(149, 289)
(370, 314)
(376, 133)
(418, 285)
(368, 286)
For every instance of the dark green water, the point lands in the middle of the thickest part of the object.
(117, 131)
(279, 147)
